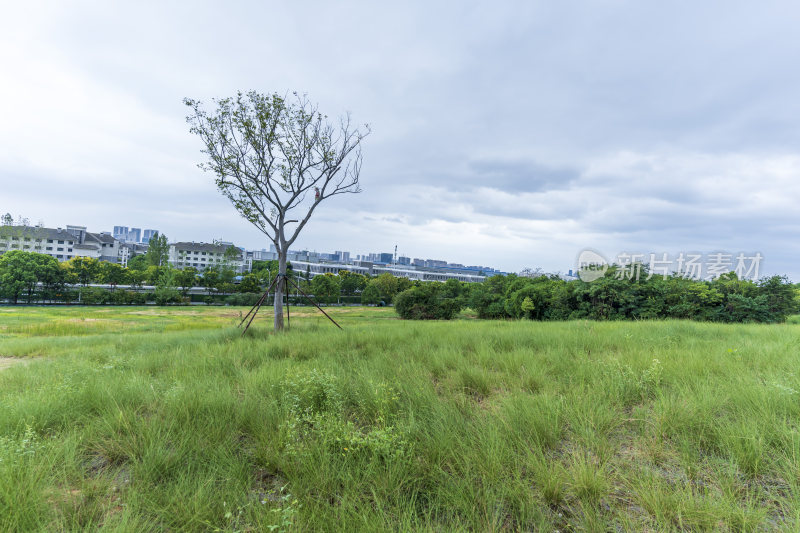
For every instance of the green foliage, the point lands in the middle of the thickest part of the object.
(250, 283)
(83, 270)
(226, 287)
(137, 278)
(119, 297)
(112, 274)
(726, 299)
(186, 279)
(210, 278)
(326, 288)
(387, 285)
(243, 298)
(20, 272)
(166, 292)
(138, 262)
(426, 302)
(629, 386)
(157, 251)
(95, 296)
(488, 299)
(351, 282)
(371, 295)
(322, 414)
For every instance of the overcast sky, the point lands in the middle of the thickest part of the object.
(510, 134)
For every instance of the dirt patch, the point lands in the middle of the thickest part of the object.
(8, 362)
(269, 486)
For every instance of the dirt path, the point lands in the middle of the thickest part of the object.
(6, 362)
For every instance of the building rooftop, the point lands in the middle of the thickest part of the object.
(200, 247)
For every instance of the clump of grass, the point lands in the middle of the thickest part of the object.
(588, 478)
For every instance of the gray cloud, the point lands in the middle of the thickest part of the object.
(511, 134)
(519, 175)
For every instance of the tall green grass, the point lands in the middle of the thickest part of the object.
(147, 420)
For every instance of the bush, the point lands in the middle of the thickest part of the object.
(426, 303)
(122, 297)
(244, 298)
(370, 295)
(166, 296)
(66, 296)
(137, 298)
(95, 296)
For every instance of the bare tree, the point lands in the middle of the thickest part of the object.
(273, 158)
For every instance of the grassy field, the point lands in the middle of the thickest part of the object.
(149, 419)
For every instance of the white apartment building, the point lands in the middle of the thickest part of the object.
(63, 244)
(201, 255)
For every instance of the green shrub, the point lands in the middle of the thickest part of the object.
(122, 297)
(166, 296)
(137, 298)
(426, 303)
(95, 296)
(243, 298)
(324, 418)
(370, 295)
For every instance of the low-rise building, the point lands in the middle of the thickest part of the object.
(369, 268)
(201, 255)
(63, 244)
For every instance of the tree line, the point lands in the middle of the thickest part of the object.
(32, 277)
(611, 297)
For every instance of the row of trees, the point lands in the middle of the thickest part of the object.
(612, 297)
(330, 288)
(30, 276)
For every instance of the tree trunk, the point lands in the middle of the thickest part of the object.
(280, 289)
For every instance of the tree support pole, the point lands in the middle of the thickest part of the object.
(257, 303)
(257, 307)
(260, 299)
(307, 297)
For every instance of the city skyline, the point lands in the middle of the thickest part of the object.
(122, 235)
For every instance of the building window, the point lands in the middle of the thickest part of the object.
(49, 241)
(60, 242)
(49, 247)
(60, 249)
(69, 249)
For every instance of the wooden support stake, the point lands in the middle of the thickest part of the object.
(315, 304)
